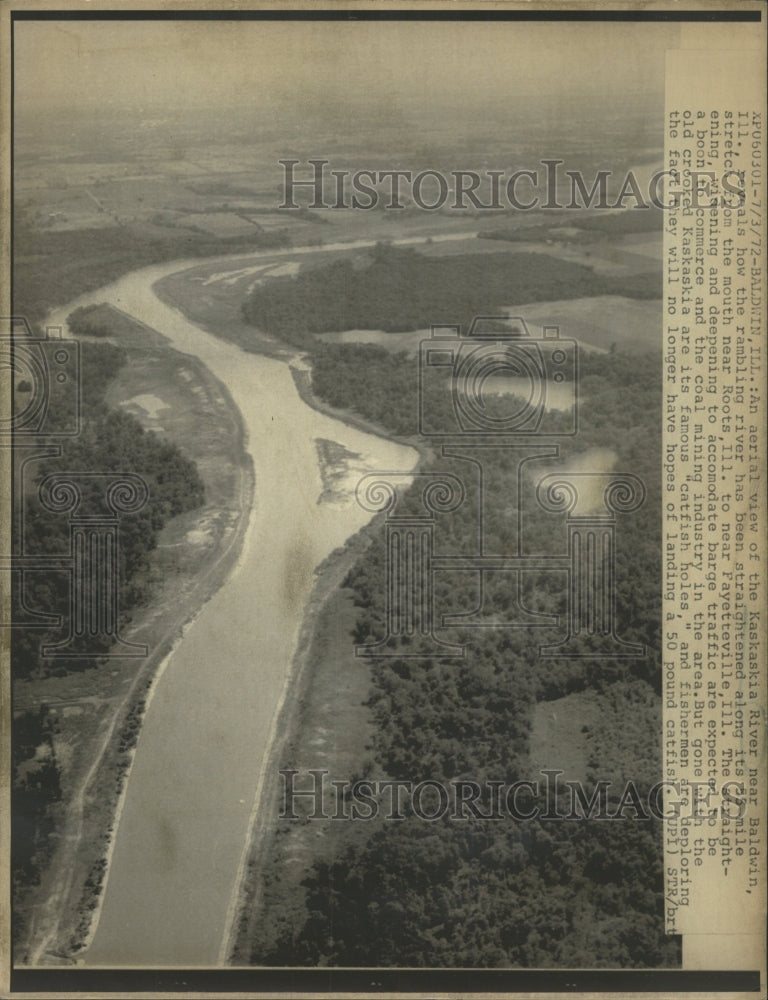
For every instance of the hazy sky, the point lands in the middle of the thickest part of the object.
(207, 64)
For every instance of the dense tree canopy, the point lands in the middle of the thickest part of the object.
(481, 893)
(399, 289)
(110, 441)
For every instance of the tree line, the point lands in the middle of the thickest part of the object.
(398, 289)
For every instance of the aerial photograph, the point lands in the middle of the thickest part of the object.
(337, 375)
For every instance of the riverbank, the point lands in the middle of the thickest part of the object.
(297, 719)
(329, 688)
(134, 297)
(216, 700)
(287, 727)
(99, 712)
(302, 378)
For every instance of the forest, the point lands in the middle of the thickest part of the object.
(54, 267)
(479, 893)
(110, 441)
(87, 321)
(35, 792)
(396, 288)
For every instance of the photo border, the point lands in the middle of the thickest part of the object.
(300, 981)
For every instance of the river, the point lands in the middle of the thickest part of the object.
(191, 791)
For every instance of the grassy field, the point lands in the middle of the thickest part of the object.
(215, 304)
(633, 325)
(594, 736)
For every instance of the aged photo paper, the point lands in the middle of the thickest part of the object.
(383, 425)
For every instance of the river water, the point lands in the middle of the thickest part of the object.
(190, 794)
